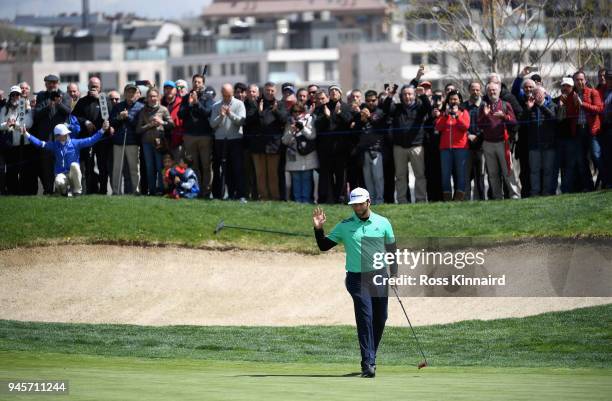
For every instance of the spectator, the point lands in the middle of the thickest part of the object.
(433, 172)
(73, 92)
(518, 148)
(184, 182)
(452, 122)
(113, 97)
(372, 126)
(3, 99)
(25, 92)
(124, 117)
(66, 150)
(541, 128)
(173, 103)
(606, 129)
(266, 155)
(475, 164)
(312, 97)
(301, 158)
(240, 91)
(182, 89)
(195, 111)
(226, 119)
(154, 122)
(17, 152)
(333, 126)
(408, 136)
(52, 108)
(495, 118)
(302, 96)
(583, 108)
(87, 112)
(567, 143)
(250, 130)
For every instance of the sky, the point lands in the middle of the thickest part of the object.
(169, 9)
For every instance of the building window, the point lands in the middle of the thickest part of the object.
(132, 76)
(277, 66)
(432, 59)
(178, 72)
(556, 56)
(232, 69)
(223, 69)
(331, 71)
(189, 70)
(157, 78)
(417, 59)
(69, 78)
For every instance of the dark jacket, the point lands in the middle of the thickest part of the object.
(407, 128)
(372, 132)
(47, 117)
(127, 126)
(272, 126)
(252, 133)
(540, 124)
(195, 117)
(88, 109)
(334, 134)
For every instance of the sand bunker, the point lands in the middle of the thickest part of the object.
(163, 286)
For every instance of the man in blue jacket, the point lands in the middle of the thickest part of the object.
(66, 151)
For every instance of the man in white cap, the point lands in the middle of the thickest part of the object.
(364, 234)
(67, 151)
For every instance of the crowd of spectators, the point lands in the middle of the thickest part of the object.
(311, 144)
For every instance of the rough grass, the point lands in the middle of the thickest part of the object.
(29, 221)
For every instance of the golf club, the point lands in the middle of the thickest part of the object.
(423, 363)
(221, 225)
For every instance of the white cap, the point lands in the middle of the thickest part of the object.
(61, 129)
(15, 88)
(358, 195)
(567, 81)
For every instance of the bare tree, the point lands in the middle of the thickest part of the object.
(503, 35)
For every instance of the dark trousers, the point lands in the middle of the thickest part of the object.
(332, 176)
(21, 167)
(103, 151)
(389, 173)
(228, 168)
(370, 303)
(433, 169)
(46, 173)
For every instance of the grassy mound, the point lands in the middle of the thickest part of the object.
(142, 220)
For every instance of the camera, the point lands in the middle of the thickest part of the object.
(299, 125)
(54, 94)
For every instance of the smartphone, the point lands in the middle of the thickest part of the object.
(142, 83)
(534, 68)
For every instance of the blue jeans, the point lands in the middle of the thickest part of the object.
(541, 164)
(153, 161)
(453, 164)
(301, 183)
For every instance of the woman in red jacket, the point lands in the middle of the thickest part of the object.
(452, 122)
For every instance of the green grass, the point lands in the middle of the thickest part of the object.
(570, 339)
(98, 378)
(28, 221)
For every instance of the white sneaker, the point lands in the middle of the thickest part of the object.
(243, 200)
(69, 194)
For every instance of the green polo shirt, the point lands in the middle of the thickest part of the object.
(362, 239)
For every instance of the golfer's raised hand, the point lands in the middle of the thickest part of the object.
(318, 218)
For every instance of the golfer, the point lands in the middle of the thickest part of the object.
(363, 234)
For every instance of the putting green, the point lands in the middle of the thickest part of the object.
(114, 378)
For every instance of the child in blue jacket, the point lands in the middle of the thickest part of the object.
(67, 167)
(183, 180)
